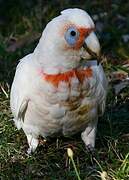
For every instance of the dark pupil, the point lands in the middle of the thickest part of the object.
(73, 33)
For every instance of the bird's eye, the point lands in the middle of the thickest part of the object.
(73, 33)
(71, 36)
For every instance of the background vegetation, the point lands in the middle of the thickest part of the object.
(21, 24)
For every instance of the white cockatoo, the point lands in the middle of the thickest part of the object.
(54, 92)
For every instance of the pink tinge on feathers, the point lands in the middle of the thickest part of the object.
(81, 74)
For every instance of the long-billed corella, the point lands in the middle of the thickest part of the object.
(54, 91)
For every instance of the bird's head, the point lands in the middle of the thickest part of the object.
(63, 41)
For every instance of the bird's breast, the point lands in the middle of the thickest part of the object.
(68, 100)
(68, 88)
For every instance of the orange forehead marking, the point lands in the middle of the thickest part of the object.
(57, 78)
(84, 32)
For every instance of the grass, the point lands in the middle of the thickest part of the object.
(50, 161)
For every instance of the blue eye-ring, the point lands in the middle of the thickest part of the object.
(71, 36)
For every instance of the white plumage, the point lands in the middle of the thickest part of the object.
(53, 92)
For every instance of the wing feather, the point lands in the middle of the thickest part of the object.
(19, 91)
(102, 85)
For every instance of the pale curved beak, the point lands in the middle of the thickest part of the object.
(91, 45)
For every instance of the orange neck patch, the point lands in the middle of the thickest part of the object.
(81, 74)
